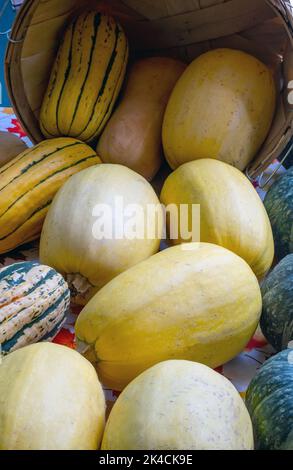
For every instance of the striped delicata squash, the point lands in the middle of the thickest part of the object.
(86, 78)
(29, 182)
(33, 302)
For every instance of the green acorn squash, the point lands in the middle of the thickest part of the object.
(277, 314)
(269, 400)
(279, 206)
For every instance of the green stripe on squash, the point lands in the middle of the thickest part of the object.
(50, 200)
(33, 302)
(29, 183)
(79, 98)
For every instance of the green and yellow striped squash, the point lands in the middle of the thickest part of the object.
(29, 182)
(86, 78)
(33, 303)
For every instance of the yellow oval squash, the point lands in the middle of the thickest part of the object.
(198, 302)
(221, 107)
(87, 236)
(132, 136)
(231, 212)
(50, 399)
(179, 405)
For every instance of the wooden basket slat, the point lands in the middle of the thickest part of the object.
(280, 135)
(288, 71)
(282, 128)
(258, 49)
(46, 35)
(53, 8)
(184, 28)
(13, 74)
(35, 85)
(270, 35)
(164, 8)
(270, 56)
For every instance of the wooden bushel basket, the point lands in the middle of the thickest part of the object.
(178, 28)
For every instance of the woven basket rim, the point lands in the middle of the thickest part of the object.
(15, 86)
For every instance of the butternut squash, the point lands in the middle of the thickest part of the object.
(132, 136)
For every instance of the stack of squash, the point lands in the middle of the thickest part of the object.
(152, 322)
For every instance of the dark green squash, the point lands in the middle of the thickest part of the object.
(288, 151)
(277, 313)
(269, 400)
(288, 162)
(279, 205)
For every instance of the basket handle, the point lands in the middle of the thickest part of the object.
(262, 184)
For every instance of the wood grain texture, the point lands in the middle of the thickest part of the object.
(180, 29)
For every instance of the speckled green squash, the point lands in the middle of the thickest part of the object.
(269, 400)
(279, 205)
(33, 302)
(277, 313)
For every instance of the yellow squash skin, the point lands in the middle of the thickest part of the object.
(86, 78)
(231, 212)
(179, 405)
(68, 243)
(200, 302)
(50, 399)
(132, 136)
(29, 182)
(221, 107)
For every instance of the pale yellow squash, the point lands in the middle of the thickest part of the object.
(231, 212)
(88, 235)
(179, 405)
(221, 107)
(198, 302)
(50, 399)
